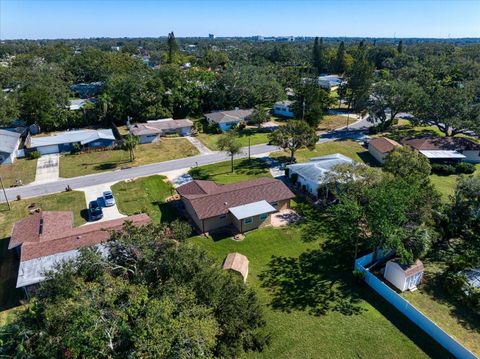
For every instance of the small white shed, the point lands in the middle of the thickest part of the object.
(404, 277)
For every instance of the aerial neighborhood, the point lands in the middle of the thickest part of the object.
(242, 196)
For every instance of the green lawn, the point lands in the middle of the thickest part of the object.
(444, 184)
(455, 318)
(145, 195)
(67, 201)
(312, 307)
(22, 169)
(244, 169)
(256, 138)
(94, 162)
(348, 148)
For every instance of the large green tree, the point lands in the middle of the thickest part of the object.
(293, 136)
(154, 296)
(319, 58)
(360, 79)
(340, 64)
(311, 102)
(230, 144)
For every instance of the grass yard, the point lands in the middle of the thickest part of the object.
(244, 169)
(312, 307)
(256, 138)
(445, 185)
(145, 195)
(455, 318)
(66, 201)
(94, 162)
(348, 148)
(22, 169)
(332, 122)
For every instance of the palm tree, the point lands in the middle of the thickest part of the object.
(130, 144)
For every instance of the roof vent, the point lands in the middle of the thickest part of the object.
(79, 237)
(225, 203)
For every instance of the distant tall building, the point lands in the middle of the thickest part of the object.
(211, 36)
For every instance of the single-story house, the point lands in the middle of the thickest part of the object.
(9, 142)
(64, 141)
(310, 176)
(404, 277)
(380, 147)
(153, 130)
(246, 205)
(446, 149)
(330, 82)
(226, 119)
(473, 277)
(283, 108)
(48, 237)
(238, 263)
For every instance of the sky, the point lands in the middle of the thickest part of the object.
(50, 19)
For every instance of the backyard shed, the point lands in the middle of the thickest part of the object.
(404, 277)
(238, 263)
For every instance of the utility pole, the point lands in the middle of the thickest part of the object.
(303, 110)
(5, 194)
(348, 120)
(249, 148)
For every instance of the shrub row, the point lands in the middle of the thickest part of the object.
(450, 169)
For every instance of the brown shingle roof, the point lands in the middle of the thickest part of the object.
(151, 128)
(442, 143)
(47, 233)
(412, 269)
(229, 116)
(383, 144)
(237, 262)
(209, 199)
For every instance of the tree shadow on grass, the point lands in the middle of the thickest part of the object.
(318, 281)
(402, 323)
(10, 296)
(106, 166)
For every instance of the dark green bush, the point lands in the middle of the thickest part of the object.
(465, 168)
(443, 169)
(34, 155)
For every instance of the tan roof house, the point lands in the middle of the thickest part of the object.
(380, 147)
(48, 237)
(237, 262)
(151, 131)
(245, 205)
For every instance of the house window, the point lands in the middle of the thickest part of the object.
(248, 220)
(223, 216)
(274, 204)
(263, 216)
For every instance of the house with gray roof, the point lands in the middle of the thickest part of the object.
(226, 119)
(9, 142)
(65, 141)
(310, 176)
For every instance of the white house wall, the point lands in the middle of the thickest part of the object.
(380, 157)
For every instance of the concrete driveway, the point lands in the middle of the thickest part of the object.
(95, 193)
(48, 168)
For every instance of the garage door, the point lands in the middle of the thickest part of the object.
(45, 150)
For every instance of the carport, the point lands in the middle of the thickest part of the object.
(250, 216)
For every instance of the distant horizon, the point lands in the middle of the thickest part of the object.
(390, 19)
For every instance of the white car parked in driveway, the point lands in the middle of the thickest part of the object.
(108, 199)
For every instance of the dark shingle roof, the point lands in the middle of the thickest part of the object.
(8, 141)
(209, 199)
(229, 116)
(157, 127)
(442, 144)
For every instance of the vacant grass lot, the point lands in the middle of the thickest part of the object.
(67, 201)
(332, 122)
(244, 169)
(22, 169)
(455, 318)
(94, 162)
(348, 148)
(312, 307)
(256, 138)
(145, 195)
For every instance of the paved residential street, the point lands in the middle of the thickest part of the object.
(34, 189)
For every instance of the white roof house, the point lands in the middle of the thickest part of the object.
(9, 142)
(283, 108)
(62, 141)
(312, 174)
(329, 81)
(77, 104)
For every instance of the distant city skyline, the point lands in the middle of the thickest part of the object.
(50, 19)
